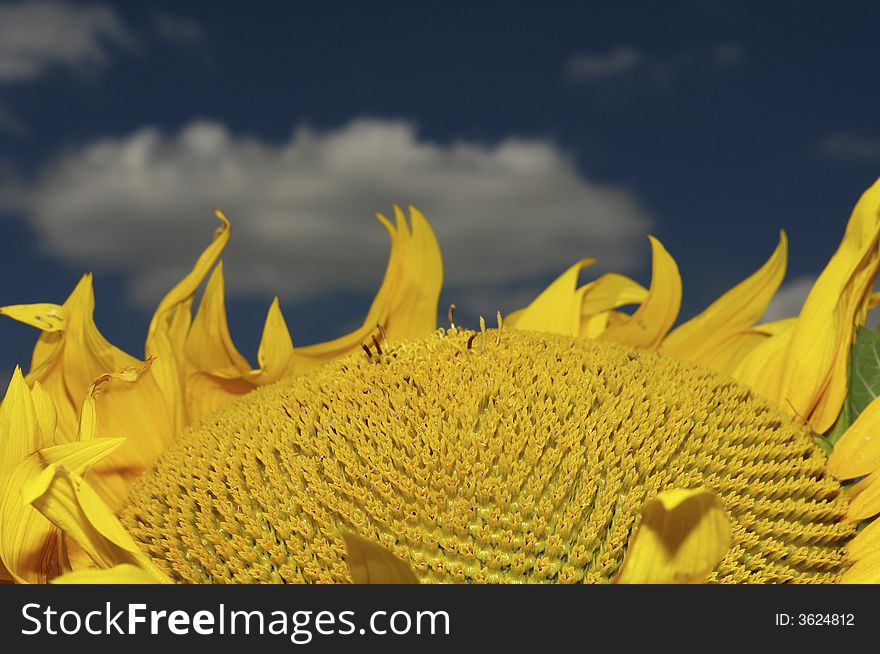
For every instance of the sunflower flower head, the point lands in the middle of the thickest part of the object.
(524, 458)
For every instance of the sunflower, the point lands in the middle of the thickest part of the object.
(574, 442)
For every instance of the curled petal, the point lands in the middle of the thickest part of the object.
(650, 323)
(167, 335)
(682, 537)
(733, 313)
(64, 498)
(406, 304)
(809, 379)
(69, 354)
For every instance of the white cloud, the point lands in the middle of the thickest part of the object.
(37, 35)
(850, 145)
(789, 299)
(302, 210)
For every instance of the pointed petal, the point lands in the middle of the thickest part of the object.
(166, 338)
(406, 303)
(857, 452)
(70, 354)
(813, 378)
(124, 573)
(47, 417)
(63, 497)
(682, 537)
(19, 428)
(650, 323)
(28, 544)
(27, 539)
(166, 319)
(44, 316)
(370, 563)
(276, 348)
(209, 346)
(734, 312)
(558, 308)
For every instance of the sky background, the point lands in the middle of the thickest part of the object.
(531, 135)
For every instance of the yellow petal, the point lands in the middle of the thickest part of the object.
(44, 316)
(63, 497)
(167, 319)
(864, 498)
(126, 403)
(865, 543)
(650, 323)
(599, 298)
(166, 338)
(406, 303)
(124, 573)
(866, 571)
(761, 368)
(810, 379)
(682, 537)
(28, 541)
(370, 563)
(215, 368)
(19, 428)
(70, 354)
(734, 312)
(558, 308)
(47, 418)
(209, 346)
(276, 348)
(857, 452)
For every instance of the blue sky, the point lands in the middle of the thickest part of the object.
(530, 135)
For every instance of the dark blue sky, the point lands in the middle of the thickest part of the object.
(726, 121)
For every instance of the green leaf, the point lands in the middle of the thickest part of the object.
(864, 381)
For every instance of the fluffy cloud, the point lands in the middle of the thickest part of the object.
(302, 210)
(38, 35)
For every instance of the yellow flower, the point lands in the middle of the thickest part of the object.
(574, 443)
